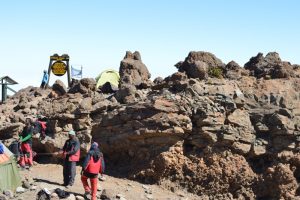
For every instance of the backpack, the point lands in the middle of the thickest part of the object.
(61, 193)
(43, 195)
(102, 164)
(40, 127)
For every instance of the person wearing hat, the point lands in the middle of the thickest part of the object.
(45, 80)
(93, 165)
(71, 154)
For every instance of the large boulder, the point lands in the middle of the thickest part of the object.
(200, 64)
(59, 87)
(234, 71)
(84, 86)
(133, 71)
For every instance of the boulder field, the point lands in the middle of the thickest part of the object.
(219, 130)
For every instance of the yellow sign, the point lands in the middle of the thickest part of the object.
(59, 68)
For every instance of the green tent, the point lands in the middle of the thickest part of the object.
(110, 76)
(9, 175)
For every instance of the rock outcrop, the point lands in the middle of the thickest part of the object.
(200, 65)
(235, 137)
(271, 66)
(133, 71)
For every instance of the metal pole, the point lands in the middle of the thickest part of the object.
(49, 72)
(4, 91)
(69, 75)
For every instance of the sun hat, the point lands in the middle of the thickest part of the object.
(72, 133)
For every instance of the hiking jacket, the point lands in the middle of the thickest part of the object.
(71, 150)
(45, 78)
(93, 162)
(26, 135)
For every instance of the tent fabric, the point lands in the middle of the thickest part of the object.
(110, 76)
(9, 175)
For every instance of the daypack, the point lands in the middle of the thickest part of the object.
(43, 195)
(15, 148)
(40, 127)
(102, 164)
(61, 193)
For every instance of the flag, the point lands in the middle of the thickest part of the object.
(76, 72)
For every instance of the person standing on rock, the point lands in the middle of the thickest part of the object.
(26, 144)
(93, 165)
(45, 80)
(71, 153)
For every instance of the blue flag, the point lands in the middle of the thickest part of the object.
(76, 72)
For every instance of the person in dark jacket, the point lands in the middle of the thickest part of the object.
(25, 140)
(91, 167)
(71, 154)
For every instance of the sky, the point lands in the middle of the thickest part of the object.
(96, 34)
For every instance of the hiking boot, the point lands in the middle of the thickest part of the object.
(86, 195)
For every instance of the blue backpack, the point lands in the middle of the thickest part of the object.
(1, 148)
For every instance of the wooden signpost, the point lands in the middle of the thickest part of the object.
(59, 66)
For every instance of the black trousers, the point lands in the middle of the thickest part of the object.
(69, 172)
(43, 85)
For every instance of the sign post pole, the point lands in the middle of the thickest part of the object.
(69, 74)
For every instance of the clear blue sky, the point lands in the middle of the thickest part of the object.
(96, 34)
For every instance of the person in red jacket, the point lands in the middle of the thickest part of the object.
(92, 166)
(26, 145)
(71, 154)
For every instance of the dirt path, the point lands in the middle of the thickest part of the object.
(50, 176)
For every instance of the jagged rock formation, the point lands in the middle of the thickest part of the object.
(271, 66)
(235, 137)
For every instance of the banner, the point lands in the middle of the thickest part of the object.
(76, 72)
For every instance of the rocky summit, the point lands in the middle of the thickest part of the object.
(218, 130)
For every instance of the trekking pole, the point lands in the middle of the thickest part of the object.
(46, 154)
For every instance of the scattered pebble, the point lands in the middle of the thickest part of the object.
(180, 194)
(20, 190)
(26, 185)
(71, 197)
(148, 191)
(79, 197)
(149, 196)
(8, 193)
(120, 196)
(34, 187)
(3, 197)
(145, 187)
(54, 195)
(102, 178)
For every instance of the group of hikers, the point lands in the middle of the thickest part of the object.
(92, 166)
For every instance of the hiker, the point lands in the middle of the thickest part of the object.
(40, 126)
(25, 140)
(92, 166)
(71, 154)
(45, 80)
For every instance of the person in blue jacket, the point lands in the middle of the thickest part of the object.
(45, 80)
